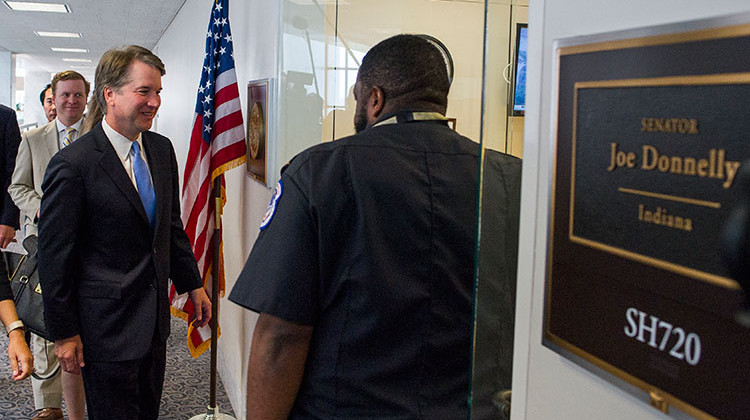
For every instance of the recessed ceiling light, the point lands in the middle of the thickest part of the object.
(27, 6)
(77, 50)
(58, 34)
(82, 67)
(77, 60)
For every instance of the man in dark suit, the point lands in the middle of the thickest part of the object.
(110, 237)
(11, 137)
(20, 358)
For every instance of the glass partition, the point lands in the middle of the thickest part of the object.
(322, 44)
(301, 87)
(499, 204)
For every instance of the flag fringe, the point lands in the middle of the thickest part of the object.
(178, 313)
(227, 166)
(201, 348)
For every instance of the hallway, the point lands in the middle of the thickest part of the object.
(186, 386)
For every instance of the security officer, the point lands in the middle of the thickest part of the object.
(362, 272)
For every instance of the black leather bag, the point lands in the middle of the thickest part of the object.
(27, 292)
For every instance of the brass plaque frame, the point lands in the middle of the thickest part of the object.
(727, 290)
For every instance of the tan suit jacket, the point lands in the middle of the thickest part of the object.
(34, 153)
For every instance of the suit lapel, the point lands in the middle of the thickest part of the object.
(112, 166)
(50, 138)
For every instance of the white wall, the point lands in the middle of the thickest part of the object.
(33, 84)
(546, 385)
(254, 25)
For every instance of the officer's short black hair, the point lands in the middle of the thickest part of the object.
(410, 70)
(41, 95)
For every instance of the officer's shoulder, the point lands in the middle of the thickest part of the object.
(508, 166)
(317, 151)
(501, 158)
(296, 163)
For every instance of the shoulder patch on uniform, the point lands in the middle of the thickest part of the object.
(271, 210)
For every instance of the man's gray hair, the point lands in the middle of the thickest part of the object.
(113, 68)
(113, 71)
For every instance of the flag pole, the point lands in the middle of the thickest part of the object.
(213, 409)
(215, 285)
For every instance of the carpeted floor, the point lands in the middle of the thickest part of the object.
(186, 387)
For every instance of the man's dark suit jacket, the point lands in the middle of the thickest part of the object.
(11, 137)
(103, 270)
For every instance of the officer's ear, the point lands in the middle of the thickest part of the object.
(375, 104)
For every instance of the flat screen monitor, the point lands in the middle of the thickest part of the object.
(519, 70)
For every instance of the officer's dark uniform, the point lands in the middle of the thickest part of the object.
(370, 239)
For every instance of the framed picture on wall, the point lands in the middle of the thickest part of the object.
(257, 128)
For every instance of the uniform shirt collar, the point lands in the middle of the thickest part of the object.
(409, 116)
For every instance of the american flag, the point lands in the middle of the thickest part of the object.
(217, 144)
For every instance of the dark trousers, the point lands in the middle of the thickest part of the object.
(126, 390)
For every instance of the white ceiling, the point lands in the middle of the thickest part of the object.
(102, 24)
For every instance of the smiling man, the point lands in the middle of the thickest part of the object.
(110, 237)
(69, 90)
(65, 98)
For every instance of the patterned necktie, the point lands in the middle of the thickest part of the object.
(68, 137)
(143, 181)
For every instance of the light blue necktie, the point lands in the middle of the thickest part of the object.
(143, 181)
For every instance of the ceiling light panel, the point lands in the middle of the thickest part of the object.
(73, 50)
(58, 34)
(77, 60)
(27, 6)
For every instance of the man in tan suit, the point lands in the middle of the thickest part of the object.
(69, 92)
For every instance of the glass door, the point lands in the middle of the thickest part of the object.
(499, 202)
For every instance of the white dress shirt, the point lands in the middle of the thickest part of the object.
(122, 147)
(61, 131)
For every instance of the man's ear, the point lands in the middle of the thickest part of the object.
(109, 94)
(376, 104)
